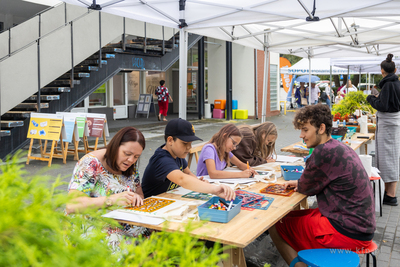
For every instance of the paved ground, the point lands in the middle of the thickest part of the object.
(262, 250)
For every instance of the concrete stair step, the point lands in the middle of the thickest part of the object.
(31, 106)
(16, 114)
(45, 97)
(113, 49)
(78, 75)
(55, 89)
(5, 133)
(93, 62)
(85, 69)
(103, 56)
(62, 82)
(10, 124)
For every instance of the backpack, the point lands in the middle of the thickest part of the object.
(323, 96)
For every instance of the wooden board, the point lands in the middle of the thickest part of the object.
(292, 149)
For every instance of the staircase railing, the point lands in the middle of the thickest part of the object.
(34, 53)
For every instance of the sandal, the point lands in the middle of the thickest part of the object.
(159, 117)
(165, 119)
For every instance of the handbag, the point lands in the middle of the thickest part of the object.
(304, 101)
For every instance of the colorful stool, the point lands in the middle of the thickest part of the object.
(327, 258)
(218, 113)
(242, 114)
(369, 251)
(234, 104)
(233, 114)
(219, 103)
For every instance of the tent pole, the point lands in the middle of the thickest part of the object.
(182, 73)
(330, 84)
(265, 86)
(348, 79)
(228, 80)
(309, 78)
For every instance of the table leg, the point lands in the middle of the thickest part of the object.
(304, 204)
(236, 257)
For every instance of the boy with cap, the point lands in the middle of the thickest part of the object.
(168, 169)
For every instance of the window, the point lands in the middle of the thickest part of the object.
(133, 86)
(273, 83)
(98, 98)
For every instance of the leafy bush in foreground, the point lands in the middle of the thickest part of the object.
(34, 231)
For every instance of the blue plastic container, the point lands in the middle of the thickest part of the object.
(221, 216)
(234, 104)
(337, 137)
(291, 175)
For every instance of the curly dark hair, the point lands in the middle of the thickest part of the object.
(316, 115)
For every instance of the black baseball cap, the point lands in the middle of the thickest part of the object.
(181, 129)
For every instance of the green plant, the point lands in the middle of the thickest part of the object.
(34, 231)
(351, 102)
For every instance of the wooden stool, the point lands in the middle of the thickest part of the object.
(377, 179)
(369, 251)
(327, 257)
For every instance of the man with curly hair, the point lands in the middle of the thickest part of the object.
(345, 217)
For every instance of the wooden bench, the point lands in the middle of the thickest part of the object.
(195, 150)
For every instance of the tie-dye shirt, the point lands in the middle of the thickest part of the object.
(335, 174)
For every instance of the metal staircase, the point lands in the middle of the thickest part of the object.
(74, 86)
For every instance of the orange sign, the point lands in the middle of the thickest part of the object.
(286, 78)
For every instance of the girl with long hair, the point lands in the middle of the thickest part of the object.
(217, 154)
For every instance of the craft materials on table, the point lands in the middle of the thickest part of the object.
(118, 215)
(230, 180)
(197, 195)
(219, 215)
(251, 201)
(169, 209)
(277, 189)
(291, 172)
(151, 204)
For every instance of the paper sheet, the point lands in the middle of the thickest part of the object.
(230, 180)
(115, 214)
(179, 191)
(281, 158)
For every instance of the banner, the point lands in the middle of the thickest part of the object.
(286, 78)
(45, 126)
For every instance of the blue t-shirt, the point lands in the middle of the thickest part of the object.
(155, 179)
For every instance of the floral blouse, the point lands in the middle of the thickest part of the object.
(91, 178)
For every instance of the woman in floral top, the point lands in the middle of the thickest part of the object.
(110, 177)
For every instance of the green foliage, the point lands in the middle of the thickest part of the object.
(34, 231)
(292, 58)
(351, 102)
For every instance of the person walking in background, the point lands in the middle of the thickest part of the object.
(314, 94)
(388, 129)
(350, 87)
(301, 95)
(328, 92)
(162, 97)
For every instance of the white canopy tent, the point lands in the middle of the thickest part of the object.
(329, 29)
(363, 64)
(319, 66)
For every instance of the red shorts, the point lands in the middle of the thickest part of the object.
(163, 106)
(309, 229)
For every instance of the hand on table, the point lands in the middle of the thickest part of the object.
(225, 192)
(126, 199)
(271, 160)
(203, 180)
(248, 172)
(291, 184)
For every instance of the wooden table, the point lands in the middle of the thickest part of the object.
(371, 136)
(242, 229)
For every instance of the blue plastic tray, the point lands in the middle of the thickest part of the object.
(221, 216)
(291, 175)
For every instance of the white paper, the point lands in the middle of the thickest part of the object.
(281, 158)
(231, 180)
(115, 214)
(179, 191)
